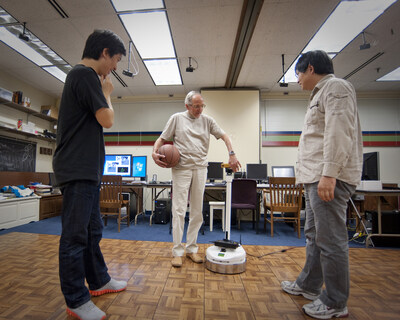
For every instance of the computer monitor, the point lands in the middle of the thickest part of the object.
(139, 167)
(370, 166)
(215, 171)
(283, 171)
(118, 165)
(257, 171)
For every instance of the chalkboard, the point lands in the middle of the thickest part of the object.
(17, 155)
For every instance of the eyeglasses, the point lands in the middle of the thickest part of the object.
(202, 106)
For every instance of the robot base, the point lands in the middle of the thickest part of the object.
(225, 260)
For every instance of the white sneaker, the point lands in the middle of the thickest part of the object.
(317, 309)
(292, 288)
(87, 311)
(112, 286)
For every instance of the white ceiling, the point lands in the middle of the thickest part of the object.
(206, 30)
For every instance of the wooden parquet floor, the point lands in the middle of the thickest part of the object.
(29, 283)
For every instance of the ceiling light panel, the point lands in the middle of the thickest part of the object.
(164, 71)
(150, 33)
(56, 72)
(5, 17)
(132, 5)
(33, 49)
(346, 22)
(391, 76)
(22, 47)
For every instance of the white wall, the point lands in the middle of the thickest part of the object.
(375, 115)
(238, 113)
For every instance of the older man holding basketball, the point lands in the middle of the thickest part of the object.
(190, 131)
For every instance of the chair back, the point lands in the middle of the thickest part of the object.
(285, 194)
(244, 194)
(111, 189)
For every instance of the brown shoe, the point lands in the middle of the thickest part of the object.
(195, 257)
(177, 262)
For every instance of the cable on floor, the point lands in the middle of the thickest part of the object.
(270, 253)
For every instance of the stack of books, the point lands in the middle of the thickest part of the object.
(41, 189)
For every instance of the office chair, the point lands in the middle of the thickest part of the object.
(285, 197)
(111, 201)
(244, 196)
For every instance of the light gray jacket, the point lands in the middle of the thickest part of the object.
(331, 140)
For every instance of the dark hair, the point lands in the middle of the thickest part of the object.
(319, 59)
(101, 39)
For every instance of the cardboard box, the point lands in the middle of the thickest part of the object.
(5, 94)
(50, 111)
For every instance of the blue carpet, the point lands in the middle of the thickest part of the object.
(284, 235)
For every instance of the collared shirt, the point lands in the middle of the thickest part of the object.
(192, 137)
(331, 139)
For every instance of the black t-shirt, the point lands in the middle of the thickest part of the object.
(80, 151)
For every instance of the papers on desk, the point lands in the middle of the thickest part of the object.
(370, 185)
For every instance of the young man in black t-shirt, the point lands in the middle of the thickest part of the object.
(78, 166)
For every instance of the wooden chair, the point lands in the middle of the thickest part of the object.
(285, 197)
(111, 200)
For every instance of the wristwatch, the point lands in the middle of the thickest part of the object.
(232, 153)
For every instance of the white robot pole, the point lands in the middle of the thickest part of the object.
(228, 205)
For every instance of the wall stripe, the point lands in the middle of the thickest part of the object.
(131, 138)
(370, 138)
(269, 138)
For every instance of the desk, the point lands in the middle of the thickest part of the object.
(154, 195)
(209, 186)
(378, 194)
(136, 188)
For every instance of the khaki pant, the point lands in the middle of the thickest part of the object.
(183, 181)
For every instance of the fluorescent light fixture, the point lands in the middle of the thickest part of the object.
(148, 27)
(150, 33)
(34, 49)
(21, 46)
(164, 71)
(345, 23)
(56, 72)
(391, 76)
(132, 5)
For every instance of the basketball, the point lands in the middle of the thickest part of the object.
(171, 154)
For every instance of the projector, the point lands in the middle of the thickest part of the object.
(189, 69)
(365, 46)
(127, 73)
(24, 37)
(283, 84)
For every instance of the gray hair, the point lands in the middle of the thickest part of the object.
(189, 97)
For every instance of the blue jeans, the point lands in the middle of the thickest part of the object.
(327, 249)
(80, 256)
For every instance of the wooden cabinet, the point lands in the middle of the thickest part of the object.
(50, 206)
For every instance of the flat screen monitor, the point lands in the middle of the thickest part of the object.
(118, 165)
(283, 171)
(139, 166)
(215, 171)
(257, 171)
(370, 166)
